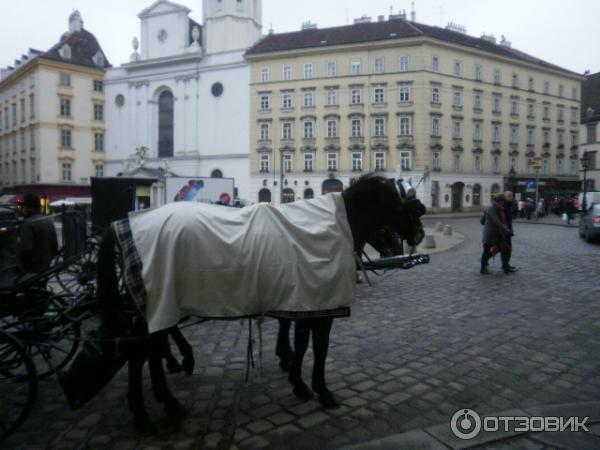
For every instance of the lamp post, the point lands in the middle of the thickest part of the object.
(511, 179)
(537, 168)
(585, 161)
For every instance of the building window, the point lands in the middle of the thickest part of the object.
(546, 87)
(496, 106)
(65, 138)
(515, 80)
(98, 111)
(378, 66)
(332, 97)
(435, 95)
(265, 74)
(591, 133)
(332, 128)
(477, 164)
(497, 76)
(477, 101)
(496, 132)
(332, 161)
(477, 132)
(22, 104)
(264, 162)
(404, 93)
(165, 124)
(574, 93)
(14, 114)
(531, 110)
(379, 161)
(99, 170)
(357, 162)
(530, 136)
(264, 130)
(99, 142)
(561, 114)
(435, 64)
(309, 129)
(545, 167)
(531, 84)
(404, 126)
(560, 136)
(286, 72)
(573, 167)
(331, 68)
(457, 98)
(356, 127)
(98, 85)
(514, 107)
(287, 162)
(379, 94)
(309, 99)
(32, 139)
(457, 68)
(404, 63)
(435, 127)
(355, 67)
(514, 135)
(356, 96)
(32, 106)
(286, 130)
(561, 90)
(66, 172)
(379, 125)
(308, 71)
(457, 162)
(65, 107)
(309, 161)
(457, 129)
(65, 79)
(405, 160)
(435, 161)
(546, 139)
(478, 72)
(495, 164)
(574, 115)
(573, 138)
(546, 114)
(559, 166)
(286, 100)
(514, 163)
(265, 102)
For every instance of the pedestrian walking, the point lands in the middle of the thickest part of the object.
(495, 233)
(38, 243)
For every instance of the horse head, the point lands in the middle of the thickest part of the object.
(374, 203)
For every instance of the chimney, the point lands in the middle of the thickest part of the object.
(505, 42)
(413, 14)
(489, 38)
(309, 26)
(363, 19)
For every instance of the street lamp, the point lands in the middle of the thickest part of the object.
(585, 161)
(511, 179)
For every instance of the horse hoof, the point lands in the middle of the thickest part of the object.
(144, 425)
(175, 410)
(188, 365)
(302, 392)
(328, 401)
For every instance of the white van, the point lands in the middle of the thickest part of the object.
(590, 197)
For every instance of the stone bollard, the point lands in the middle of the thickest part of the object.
(447, 230)
(439, 227)
(429, 241)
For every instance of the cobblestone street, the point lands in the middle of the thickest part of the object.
(420, 345)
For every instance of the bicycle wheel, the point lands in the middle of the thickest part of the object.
(18, 384)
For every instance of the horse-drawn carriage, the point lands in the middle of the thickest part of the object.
(40, 313)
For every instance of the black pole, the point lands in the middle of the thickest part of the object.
(584, 201)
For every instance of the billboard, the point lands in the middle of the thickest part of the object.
(199, 189)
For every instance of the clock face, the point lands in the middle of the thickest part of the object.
(217, 89)
(162, 35)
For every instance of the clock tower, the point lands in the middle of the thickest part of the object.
(230, 25)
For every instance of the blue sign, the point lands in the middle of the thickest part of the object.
(530, 184)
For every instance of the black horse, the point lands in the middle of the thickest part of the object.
(371, 204)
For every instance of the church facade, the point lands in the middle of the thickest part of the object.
(182, 101)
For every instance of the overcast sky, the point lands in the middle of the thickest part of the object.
(565, 33)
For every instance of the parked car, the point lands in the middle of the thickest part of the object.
(589, 224)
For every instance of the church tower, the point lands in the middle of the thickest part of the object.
(230, 25)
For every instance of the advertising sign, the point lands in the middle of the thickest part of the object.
(199, 189)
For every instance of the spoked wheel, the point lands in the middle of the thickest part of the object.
(80, 276)
(18, 384)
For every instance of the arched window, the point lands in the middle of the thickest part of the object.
(476, 195)
(264, 196)
(309, 193)
(332, 185)
(216, 174)
(165, 125)
(288, 195)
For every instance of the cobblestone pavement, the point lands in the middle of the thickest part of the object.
(420, 345)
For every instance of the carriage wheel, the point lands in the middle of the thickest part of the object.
(18, 384)
(80, 276)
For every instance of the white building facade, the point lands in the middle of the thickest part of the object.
(182, 102)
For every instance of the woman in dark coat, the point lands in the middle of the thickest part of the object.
(495, 231)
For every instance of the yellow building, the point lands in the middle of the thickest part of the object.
(52, 118)
(448, 112)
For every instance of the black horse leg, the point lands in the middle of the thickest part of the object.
(158, 343)
(301, 338)
(135, 397)
(321, 329)
(283, 349)
(172, 364)
(185, 349)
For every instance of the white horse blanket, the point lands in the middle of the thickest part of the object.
(212, 261)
